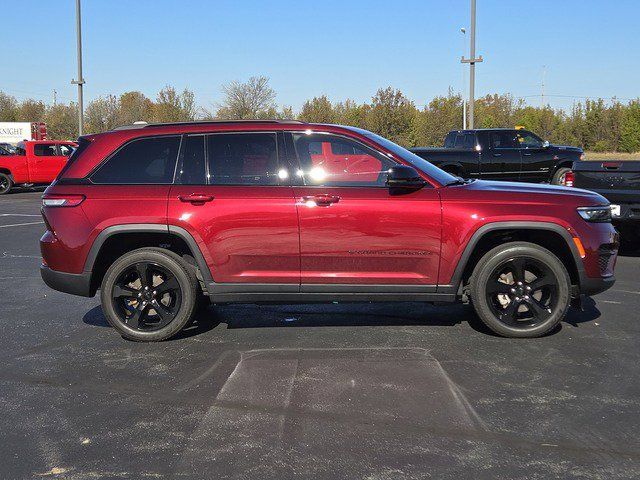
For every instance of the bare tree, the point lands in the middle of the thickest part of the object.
(253, 99)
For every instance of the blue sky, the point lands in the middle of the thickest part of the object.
(344, 49)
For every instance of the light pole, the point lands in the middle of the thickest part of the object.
(80, 80)
(472, 60)
(464, 90)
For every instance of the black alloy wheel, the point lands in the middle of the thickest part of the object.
(522, 292)
(147, 296)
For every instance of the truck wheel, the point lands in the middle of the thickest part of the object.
(5, 183)
(149, 294)
(520, 290)
(558, 177)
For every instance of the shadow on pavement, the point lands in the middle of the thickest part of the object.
(246, 316)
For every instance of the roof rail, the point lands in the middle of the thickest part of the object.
(200, 122)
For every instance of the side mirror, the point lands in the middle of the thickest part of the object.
(546, 144)
(402, 176)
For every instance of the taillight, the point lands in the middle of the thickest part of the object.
(569, 177)
(62, 200)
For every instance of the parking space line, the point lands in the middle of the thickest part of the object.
(21, 224)
(20, 215)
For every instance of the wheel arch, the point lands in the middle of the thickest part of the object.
(551, 236)
(116, 240)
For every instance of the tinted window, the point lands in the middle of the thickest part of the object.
(243, 159)
(193, 168)
(45, 150)
(148, 160)
(505, 139)
(450, 140)
(341, 162)
(529, 140)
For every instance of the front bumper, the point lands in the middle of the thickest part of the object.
(593, 286)
(73, 283)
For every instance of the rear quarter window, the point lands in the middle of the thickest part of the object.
(142, 161)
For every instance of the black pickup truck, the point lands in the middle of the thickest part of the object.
(502, 154)
(618, 182)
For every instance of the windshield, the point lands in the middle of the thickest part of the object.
(440, 176)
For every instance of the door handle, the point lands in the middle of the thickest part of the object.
(497, 154)
(526, 154)
(321, 200)
(196, 198)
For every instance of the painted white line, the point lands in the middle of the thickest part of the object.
(626, 291)
(19, 215)
(21, 224)
(611, 301)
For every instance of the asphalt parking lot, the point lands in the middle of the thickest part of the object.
(355, 391)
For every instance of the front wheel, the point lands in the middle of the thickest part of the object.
(5, 183)
(149, 294)
(520, 290)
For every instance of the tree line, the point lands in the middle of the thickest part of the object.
(593, 124)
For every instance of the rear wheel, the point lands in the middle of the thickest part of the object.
(5, 183)
(559, 176)
(520, 290)
(149, 294)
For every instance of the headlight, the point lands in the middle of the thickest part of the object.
(600, 214)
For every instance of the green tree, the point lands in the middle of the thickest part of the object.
(62, 121)
(171, 106)
(102, 114)
(630, 128)
(318, 110)
(134, 107)
(8, 108)
(31, 110)
(392, 115)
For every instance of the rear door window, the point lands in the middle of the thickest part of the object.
(192, 161)
(142, 161)
(243, 159)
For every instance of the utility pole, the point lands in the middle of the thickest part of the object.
(80, 80)
(472, 60)
(544, 73)
(464, 93)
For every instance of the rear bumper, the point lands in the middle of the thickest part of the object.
(73, 283)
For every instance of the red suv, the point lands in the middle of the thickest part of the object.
(158, 217)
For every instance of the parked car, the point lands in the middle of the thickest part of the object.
(619, 182)
(7, 149)
(502, 154)
(33, 163)
(158, 216)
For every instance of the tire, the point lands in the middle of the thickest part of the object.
(6, 184)
(521, 310)
(129, 306)
(558, 177)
